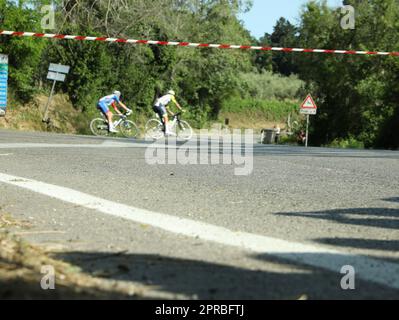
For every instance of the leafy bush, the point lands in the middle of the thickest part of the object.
(348, 143)
(289, 140)
(270, 86)
(272, 110)
(24, 54)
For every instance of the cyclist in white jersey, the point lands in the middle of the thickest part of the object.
(161, 108)
(112, 100)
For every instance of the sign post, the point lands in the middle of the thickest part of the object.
(3, 84)
(307, 130)
(308, 108)
(57, 72)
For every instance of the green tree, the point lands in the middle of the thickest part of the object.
(203, 78)
(24, 54)
(285, 35)
(356, 94)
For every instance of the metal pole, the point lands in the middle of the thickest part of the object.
(48, 102)
(307, 131)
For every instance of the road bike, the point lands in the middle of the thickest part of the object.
(128, 129)
(155, 129)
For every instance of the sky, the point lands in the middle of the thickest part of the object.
(264, 14)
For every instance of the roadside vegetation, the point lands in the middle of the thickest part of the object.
(349, 143)
(21, 272)
(64, 117)
(357, 95)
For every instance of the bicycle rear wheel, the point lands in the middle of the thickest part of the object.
(129, 129)
(154, 129)
(184, 130)
(99, 127)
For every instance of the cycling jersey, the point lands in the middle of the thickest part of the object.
(108, 100)
(104, 103)
(165, 100)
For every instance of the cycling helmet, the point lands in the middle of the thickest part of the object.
(117, 93)
(172, 92)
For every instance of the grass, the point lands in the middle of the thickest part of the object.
(348, 143)
(21, 272)
(28, 117)
(7, 221)
(271, 109)
(258, 114)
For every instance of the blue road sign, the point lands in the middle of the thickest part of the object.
(3, 83)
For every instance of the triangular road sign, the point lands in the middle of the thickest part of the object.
(309, 103)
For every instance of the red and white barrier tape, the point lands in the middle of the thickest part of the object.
(192, 45)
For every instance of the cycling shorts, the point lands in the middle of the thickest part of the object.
(103, 107)
(160, 110)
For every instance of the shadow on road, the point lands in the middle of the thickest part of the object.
(394, 199)
(366, 244)
(203, 280)
(370, 244)
(29, 289)
(291, 151)
(386, 218)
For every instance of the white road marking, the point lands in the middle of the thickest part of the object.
(378, 271)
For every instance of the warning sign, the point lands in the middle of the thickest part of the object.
(309, 106)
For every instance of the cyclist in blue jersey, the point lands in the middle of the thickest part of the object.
(112, 100)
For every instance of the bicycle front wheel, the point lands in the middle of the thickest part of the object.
(129, 129)
(99, 127)
(184, 130)
(154, 129)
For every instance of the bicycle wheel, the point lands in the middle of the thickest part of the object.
(184, 130)
(99, 127)
(154, 129)
(129, 129)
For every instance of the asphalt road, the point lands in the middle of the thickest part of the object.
(279, 233)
